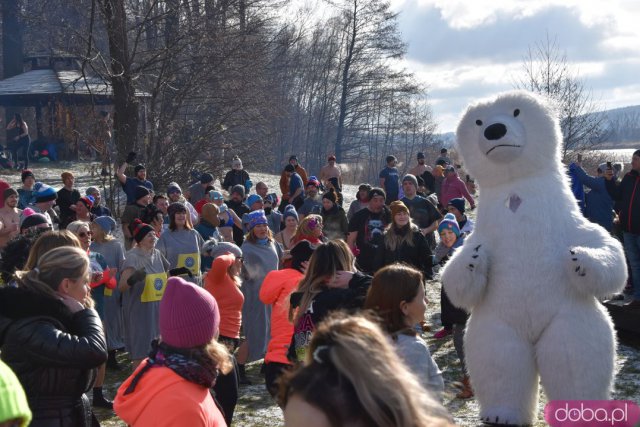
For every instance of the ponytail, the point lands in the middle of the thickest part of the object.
(53, 267)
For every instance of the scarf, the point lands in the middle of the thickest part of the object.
(401, 231)
(193, 366)
(262, 242)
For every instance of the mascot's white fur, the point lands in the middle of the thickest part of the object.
(532, 269)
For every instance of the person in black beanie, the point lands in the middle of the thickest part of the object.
(130, 184)
(132, 212)
(334, 218)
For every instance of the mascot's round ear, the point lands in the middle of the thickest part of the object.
(516, 112)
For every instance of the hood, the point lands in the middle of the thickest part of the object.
(131, 406)
(219, 267)
(19, 303)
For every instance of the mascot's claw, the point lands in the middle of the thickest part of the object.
(578, 269)
(472, 266)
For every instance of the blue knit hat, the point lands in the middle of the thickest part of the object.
(449, 223)
(253, 199)
(206, 178)
(107, 223)
(255, 218)
(216, 195)
(44, 192)
(290, 210)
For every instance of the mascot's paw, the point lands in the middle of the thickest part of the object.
(465, 276)
(598, 272)
(578, 266)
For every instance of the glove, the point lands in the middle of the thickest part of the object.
(136, 277)
(248, 184)
(181, 271)
(131, 157)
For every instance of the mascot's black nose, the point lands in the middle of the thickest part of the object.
(495, 131)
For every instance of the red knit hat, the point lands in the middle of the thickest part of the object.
(189, 315)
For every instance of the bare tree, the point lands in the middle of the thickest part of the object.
(547, 71)
(371, 36)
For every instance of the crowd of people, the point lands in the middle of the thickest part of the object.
(204, 282)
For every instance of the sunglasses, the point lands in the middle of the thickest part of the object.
(85, 234)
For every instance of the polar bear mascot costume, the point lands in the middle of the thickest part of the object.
(533, 268)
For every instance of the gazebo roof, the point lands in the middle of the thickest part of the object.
(28, 87)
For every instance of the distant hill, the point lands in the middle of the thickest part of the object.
(622, 125)
(446, 139)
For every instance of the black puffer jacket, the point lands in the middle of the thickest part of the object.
(627, 198)
(53, 352)
(417, 256)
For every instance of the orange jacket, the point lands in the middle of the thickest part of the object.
(275, 290)
(284, 181)
(227, 295)
(163, 398)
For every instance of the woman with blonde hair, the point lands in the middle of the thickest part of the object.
(104, 243)
(397, 297)
(310, 228)
(172, 386)
(181, 244)
(404, 243)
(51, 336)
(331, 282)
(99, 288)
(335, 388)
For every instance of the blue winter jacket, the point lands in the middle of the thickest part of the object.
(598, 202)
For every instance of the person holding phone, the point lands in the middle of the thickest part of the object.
(598, 203)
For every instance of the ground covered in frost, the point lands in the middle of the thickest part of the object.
(255, 406)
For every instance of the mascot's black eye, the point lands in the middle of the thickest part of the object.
(479, 122)
(516, 112)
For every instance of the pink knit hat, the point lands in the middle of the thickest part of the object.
(189, 315)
